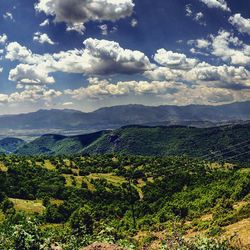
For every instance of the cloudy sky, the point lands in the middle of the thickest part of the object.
(86, 54)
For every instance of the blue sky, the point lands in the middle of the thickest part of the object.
(84, 55)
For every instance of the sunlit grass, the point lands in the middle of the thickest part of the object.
(3, 168)
(28, 206)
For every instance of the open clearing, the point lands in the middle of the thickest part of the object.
(28, 206)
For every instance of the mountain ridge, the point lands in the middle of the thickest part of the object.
(148, 141)
(118, 116)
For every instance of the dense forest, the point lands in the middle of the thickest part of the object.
(225, 143)
(134, 201)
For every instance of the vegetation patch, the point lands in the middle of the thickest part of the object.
(28, 206)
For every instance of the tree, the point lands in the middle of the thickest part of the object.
(81, 220)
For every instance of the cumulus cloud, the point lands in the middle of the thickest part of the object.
(220, 4)
(242, 24)
(99, 89)
(174, 60)
(172, 73)
(200, 46)
(108, 57)
(172, 92)
(229, 48)
(42, 38)
(30, 94)
(200, 43)
(224, 73)
(17, 52)
(76, 13)
(98, 57)
(30, 75)
(185, 70)
(3, 39)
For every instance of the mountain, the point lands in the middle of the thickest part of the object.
(10, 145)
(217, 142)
(117, 116)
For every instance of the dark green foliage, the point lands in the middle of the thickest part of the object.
(81, 220)
(213, 143)
(10, 145)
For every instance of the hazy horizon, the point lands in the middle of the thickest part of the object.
(112, 106)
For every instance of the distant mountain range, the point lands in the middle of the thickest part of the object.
(225, 142)
(117, 116)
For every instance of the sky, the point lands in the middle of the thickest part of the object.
(87, 54)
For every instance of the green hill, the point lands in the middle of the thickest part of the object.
(58, 144)
(175, 141)
(10, 145)
(217, 142)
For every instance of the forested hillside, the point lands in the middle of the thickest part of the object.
(10, 145)
(216, 144)
(134, 201)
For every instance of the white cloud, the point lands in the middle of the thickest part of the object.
(174, 60)
(165, 74)
(99, 57)
(188, 9)
(224, 73)
(108, 57)
(172, 92)
(177, 67)
(16, 52)
(100, 89)
(75, 13)
(197, 17)
(241, 23)
(220, 4)
(3, 39)
(30, 75)
(202, 43)
(230, 49)
(44, 23)
(42, 38)
(134, 22)
(30, 94)
(8, 15)
(104, 29)
(201, 46)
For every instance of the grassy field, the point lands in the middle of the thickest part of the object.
(111, 178)
(28, 206)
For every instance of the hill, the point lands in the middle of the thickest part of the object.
(216, 142)
(115, 117)
(10, 145)
(58, 144)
